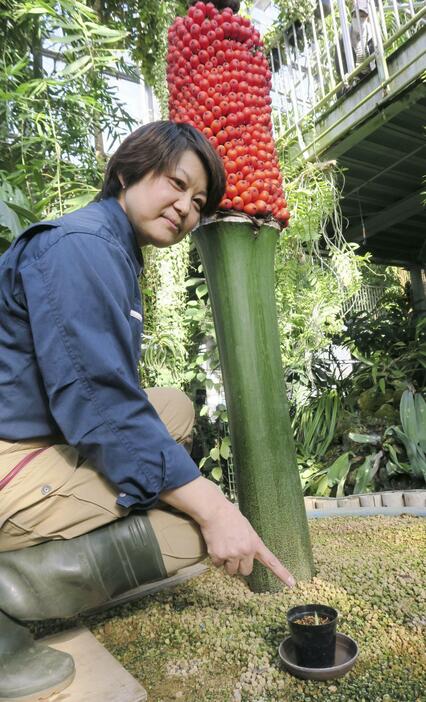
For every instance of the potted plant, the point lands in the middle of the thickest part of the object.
(313, 632)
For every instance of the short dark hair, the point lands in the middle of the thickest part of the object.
(156, 148)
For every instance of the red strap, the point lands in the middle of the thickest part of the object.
(29, 457)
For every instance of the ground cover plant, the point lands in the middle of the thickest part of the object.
(211, 639)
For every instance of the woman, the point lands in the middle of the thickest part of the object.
(89, 462)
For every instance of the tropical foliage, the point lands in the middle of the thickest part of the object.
(379, 436)
(145, 23)
(377, 458)
(56, 110)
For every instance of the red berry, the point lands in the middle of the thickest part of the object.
(242, 185)
(231, 191)
(250, 208)
(230, 166)
(215, 126)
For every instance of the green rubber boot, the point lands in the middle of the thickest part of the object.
(58, 579)
(29, 670)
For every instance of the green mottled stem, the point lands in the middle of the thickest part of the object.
(238, 261)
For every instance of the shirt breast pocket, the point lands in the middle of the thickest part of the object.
(136, 325)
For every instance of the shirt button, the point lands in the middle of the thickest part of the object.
(45, 489)
(123, 494)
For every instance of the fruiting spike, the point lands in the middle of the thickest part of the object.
(219, 81)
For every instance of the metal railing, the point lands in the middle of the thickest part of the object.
(318, 61)
(366, 299)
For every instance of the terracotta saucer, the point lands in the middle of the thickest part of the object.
(346, 655)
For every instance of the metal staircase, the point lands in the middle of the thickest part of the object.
(349, 84)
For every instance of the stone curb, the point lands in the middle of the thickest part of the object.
(379, 502)
(366, 512)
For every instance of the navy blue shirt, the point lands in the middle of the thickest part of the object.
(70, 340)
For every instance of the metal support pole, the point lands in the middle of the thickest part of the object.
(382, 67)
(345, 36)
(293, 96)
(327, 47)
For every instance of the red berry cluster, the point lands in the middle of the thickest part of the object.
(219, 81)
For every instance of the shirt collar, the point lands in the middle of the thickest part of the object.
(124, 231)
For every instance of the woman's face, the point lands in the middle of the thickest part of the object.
(163, 208)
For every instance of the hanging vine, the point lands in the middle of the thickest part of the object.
(317, 270)
(165, 356)
(289, 12)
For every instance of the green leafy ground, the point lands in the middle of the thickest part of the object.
(213, 640)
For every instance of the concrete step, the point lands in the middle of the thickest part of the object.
(99, 676)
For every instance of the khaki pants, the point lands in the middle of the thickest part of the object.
(56, 496)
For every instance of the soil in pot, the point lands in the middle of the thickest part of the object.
(313, 631)
(312, 619)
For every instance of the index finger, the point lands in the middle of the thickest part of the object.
(267, 558)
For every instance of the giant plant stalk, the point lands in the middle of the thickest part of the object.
(238, 260)
(219, 82)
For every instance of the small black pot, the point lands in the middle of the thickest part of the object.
(314, 644)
